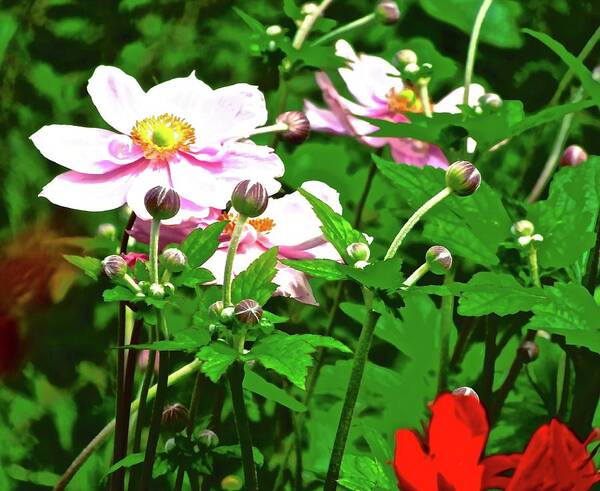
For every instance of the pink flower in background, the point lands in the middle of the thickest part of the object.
(180, 134)
(380, 94)
(288, 223)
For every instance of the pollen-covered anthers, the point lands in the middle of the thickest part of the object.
(161, 136)
(404, 101)
(261, 225)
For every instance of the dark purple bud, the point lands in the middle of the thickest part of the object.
(174, 259)
(387, 12)
(573, 155)
(208, 438)
(463, 178)
(529, 350)
(250, 198)
(114, 266)
(298, 126)
(174, 418)
(162, 203)
(465, 391)
(248, 311)
(439, 259)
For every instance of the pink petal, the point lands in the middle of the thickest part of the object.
(91, 192)
(417, 153)
(293, 284)
(86, 150)
(369, 78)
(450, 103)
(323, 120)
(118, 97)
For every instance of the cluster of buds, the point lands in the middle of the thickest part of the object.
(387, 12)
(463, 178)
(438, 259)
(359, 253)
(572, 156)
(249, 198)
(524, 229)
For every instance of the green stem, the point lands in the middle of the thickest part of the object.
(157, 410)
(362, 21)
(358, 368)
(424, 96)
(101, 437)
(274, 128)
(365, 194)
(472, 50)
(533, 265)
(308, 23)
(283, 94)
(412, 221)
(153, 260)
(234, 242)
(417, 275)
(236, 378)
(445, 327)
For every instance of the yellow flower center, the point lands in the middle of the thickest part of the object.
(261, 225)
(161, 136)
(404, 101)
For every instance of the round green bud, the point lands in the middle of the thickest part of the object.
(156, 290)
(114, 266)
(162, 203)
(227, 315)
(174, 260)
(274, 30)
(107, 231)
(522, 228)
(387, 12)
(231, 483)
(406, 57)
(463, 178)
(208, 438)
(250, 198)
(174, 418)
(215, 309)
(358, 251)
(491, 100)
(170, 445)
(439, 259)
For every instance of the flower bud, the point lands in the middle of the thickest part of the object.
(107, 231)
(439, 259)
(248, 311)
(522, 228)
(216, 308)
(169, 288)
(274, 30)
(361, 264)
(529, 351)
(170, 445)
(596, 73)
(174, 260)
(463, 178)
(114, 266)
(156, 290)
(465, 391)
(298, 126)
(231, 483)
(387, 12)
(573, 155)
(162, 203)
(144, 358)
(208, 438)
(358, 251)
(411, 69)
(309, 8)
(227, 315)
(491, 100)
(406, 57)
(174, 418)
(250, 198)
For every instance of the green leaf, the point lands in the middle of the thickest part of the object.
(255, 383)
(126, 462)
(234, 451)
(292, 10)
(572, 312)
(120, 294)
(217, 358)
(167, 345)
(91, 266)
(192, 277)
(8, 28)
(499, 26)
(383, 275)
(591, 86)
(497, 293)
(256, 281)
(201, 244)
(319, 268)
(336, 228)
(362, 473)
(472, 227)
(290, 355)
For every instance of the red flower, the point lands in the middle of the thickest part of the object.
(555, 460)
(131, 258)
(449, 457)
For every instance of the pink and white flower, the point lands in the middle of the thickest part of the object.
(180, 134)
(288, 223)
(380, 94)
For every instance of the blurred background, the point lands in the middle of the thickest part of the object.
(56, 361)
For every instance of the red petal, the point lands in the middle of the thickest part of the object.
(413, 468)
(494, 466)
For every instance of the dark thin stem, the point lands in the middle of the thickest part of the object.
(283, 95)
(139, 423)
(296, 422)
(358, 368)
(564, 395)
(464, 334)
(489, 362)
(157, 410)
(125, 236)
(365, 194)
(445, 327)
(236, 378)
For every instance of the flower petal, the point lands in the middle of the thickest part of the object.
(450, 103)
(417, 153)
(323, 120)
(86, 150)
(90, 192)
(293, 284)
(118, 97)
(413, 468)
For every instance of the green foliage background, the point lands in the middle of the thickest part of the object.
(63, 393)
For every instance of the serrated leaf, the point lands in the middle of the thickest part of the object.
(91, 266)
(126, 462)
(319, 268)
(201, 244)
(166, 345)
(256, 281)
(362, 473)
(570, 311)
(383, 275)
(255, 383)
(497, 293)
(120, 294)
(192, 277)
(217, 358)
(336, 228)
(290, 355)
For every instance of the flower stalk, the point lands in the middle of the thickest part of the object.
(154, 236)
(416, 275)
(472, 49)
(233, 246)
(533, 265)
(445, 327)
(355, 24)
(423, 86)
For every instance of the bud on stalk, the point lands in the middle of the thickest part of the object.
(463, 178)
(387, 12)
(572, 156)
(406, 57)
(208, 438)
(248, 312)
(250, 198)
(175, 418)
(162, 203)
(439, 260)
(298, 126)
(174, 259)
(358, 251)
(114, 266)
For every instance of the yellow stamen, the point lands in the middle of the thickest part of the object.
(404, 101)
(261, 225)
(161, 136)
